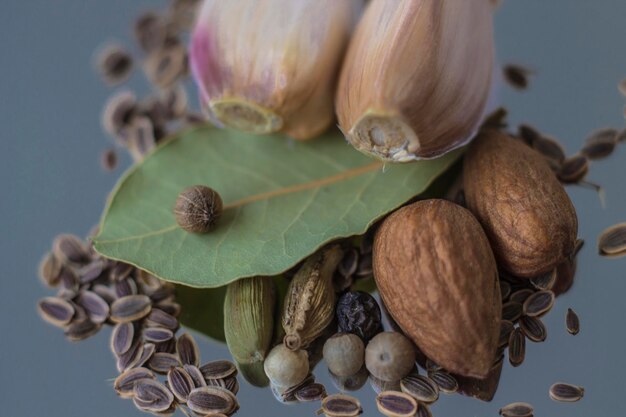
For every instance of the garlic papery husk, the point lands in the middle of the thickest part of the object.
(417, 77)
(266, 66)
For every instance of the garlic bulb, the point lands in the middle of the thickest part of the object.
(266, 66)
(416, 77)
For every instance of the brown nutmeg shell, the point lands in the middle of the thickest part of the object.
(525, 211)
(437, 276)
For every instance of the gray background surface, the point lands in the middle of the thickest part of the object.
(51, 182)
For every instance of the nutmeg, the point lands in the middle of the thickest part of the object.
(527, 215)
(437, 276)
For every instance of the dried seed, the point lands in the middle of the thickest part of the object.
(528, 133)
(122, 338)
(161, 362)
(125, 383)
(311, 392)
(69, 280)
(189, 353)
(539, 303)
(544, 281)
(533, 328)
(120, 271)
(151, 395)
(517, 410)
(180, 383)
(572, 322)
(50, 270)
(169, 307)
(125, 287)
(517, 76)
(108, 159)
(146, 354)
(130, 308)
(600, 143)
(432, 366)
(365, 268)
(349, 263)
(378, 385)
(396, 404)
(166, 66)
(445, 381)
(56, 310)
(167, 347)
(505, 290)
(157, 334)
(506, 327)
(612, 241)
(422, 388)
(118, 112)
(573, 169)
(96, 308)
(81, 330)
(207, 400)
(232, 384)
(159, 318)
(549, 148)
(566, 392)
(150, 31)
(520, 296)
(161, 294)
(340, 405)
(219, 369)
(92, 271)
(140, 137)
(175, 102)
(69, 249)
(114, 64)
(196, 375)
(511, 311)
(423, 411)
(517, 347)
(130, 358)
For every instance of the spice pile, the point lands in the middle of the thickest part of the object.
(463, 281)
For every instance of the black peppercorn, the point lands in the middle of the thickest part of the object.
(198, 208)
(359, 313)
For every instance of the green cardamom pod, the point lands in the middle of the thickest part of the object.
(249, 323)
(310, 303)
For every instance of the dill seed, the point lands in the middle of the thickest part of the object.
(539, 303)
(517, 347)
(196, 375)
(520, 296)
(114, 64)
(207, 400)
(150, 395)
(506, 327)
(511, 311)
(572, 322)
(550, 148)
(600, 143)
(125, 382)
(131, 357)
(50, 270)
(161, 362)
(445, 381)
(544, 281)
(180, 383)
(566, 392)
(219, 369)
(188, 351)
(573, 169)
(517, 410)
(130, 308)
(108, 159)
(122, 338)
(56, 310)
(311, 392)
(96, 308)
(517, 76)
(396, 404)
(340, 405)
(533, 328)
(612, 241)
(422, 388)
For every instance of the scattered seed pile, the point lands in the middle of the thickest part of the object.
(93, 292)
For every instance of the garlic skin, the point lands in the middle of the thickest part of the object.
(417, 77)
(267, 66)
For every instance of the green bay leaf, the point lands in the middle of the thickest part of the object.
(283, 200)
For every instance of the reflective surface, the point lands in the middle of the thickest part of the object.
(52, 183)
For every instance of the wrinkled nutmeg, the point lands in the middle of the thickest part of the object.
(198, 208)
(527, 215)
(437, 276)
